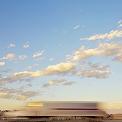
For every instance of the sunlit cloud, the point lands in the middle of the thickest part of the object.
(2, 63)
(118, 58)
(9, 56)
(6, 93)
(12, 56)
(60, 68)
(57, 82)
(16, 77)
(69, 67)
(103, 49)
(111, 35)
(38, 55)
(35, 104)
(94, 71)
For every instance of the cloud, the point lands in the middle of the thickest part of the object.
(12, 56)
(53, 82)
(27, 94)
(120, 23)
(60, 68)
(9, 56)
(57, 82)
(16, 77)
(118, 58)
(68, 83)
(22, 57)
(70, 66)
(2, 63)
(51, 59)
(76, 27)
(32, 66)
(35, 104)
(4, 72)
(26, 45)
(6, 93)
(11, 45)
(111, 35)
(103, 49)
(38, 54)
(95, 71)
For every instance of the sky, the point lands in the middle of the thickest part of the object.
(68, 50)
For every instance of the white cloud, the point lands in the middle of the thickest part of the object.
(76, 27)
(120, 23)
(111, 35)
(2, 63)
(38, 54)
(103, 49)
(11, 45)
(26, 45)
(22, 57)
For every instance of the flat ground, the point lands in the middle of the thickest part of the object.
(38, 120)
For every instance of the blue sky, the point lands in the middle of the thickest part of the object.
(60, 50)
